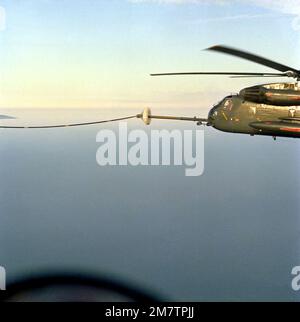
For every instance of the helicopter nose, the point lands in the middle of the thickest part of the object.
(211, 117)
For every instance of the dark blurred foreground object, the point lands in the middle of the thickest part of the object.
(72, 288)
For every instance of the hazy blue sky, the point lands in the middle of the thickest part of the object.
(89, 53)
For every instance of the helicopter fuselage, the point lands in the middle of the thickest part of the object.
(269, 109)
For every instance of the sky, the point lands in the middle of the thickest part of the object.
(88, 53)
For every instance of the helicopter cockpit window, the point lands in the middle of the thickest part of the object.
(228, 104)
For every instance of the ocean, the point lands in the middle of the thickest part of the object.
(232, 233)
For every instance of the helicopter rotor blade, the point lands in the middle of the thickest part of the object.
(253, 76)
(6, 117)
(254, 58)
(245, 74)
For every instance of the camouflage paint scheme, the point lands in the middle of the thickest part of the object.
(241, 113)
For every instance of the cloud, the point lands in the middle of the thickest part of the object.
(181, 1)
(288, 7)
(236, 17)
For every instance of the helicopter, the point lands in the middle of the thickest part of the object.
(271, 109)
